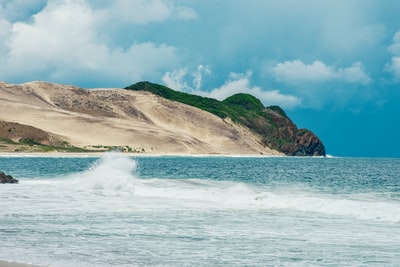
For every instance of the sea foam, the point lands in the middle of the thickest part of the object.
(113, 173)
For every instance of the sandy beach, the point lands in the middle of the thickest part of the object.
(4, 263)
(127, 154)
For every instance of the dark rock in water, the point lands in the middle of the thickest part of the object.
(7, 179)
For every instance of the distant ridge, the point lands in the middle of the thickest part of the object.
(271, 123)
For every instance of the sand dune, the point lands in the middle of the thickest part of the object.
(117, 117)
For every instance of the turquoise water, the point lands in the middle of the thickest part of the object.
(201, 211)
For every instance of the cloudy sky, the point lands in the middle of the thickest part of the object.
(334, 66)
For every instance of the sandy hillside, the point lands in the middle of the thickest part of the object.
(117, 117)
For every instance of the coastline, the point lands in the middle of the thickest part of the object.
(101, 154)
(4, 263)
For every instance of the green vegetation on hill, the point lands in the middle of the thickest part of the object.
(208, 104)
(271, 123)
(236, 107)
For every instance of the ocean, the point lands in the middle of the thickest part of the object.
(200, 211)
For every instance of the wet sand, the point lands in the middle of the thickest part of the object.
(17, 264)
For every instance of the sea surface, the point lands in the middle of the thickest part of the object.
(200, 211)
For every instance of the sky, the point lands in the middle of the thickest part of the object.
(334, 66)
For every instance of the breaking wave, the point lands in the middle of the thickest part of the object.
(115, 175)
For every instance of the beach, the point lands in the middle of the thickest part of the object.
(17, 264)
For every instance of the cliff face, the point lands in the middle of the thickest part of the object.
(307, 143)
(283, 135)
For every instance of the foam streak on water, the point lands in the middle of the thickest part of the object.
(201, 212)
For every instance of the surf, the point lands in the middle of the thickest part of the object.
(116, 175)
(136, 210)
(110, 174)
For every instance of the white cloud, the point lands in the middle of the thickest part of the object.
(62, 43)
(394, 67)
(181, 12)
(191, 82)
(353, 74)
(296, 71)
(62, 27)
(394, 49)
(185, 80)
(146, 11)
(241, 83)
(198, 75)
(175, 79)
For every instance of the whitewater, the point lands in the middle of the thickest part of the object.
(200, 211)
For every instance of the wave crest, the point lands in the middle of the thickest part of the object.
(112, 173)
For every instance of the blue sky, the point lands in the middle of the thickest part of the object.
(334, 66)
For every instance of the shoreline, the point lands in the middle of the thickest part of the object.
(101, 154)
(4, 263)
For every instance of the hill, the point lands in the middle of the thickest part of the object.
(41, 117)
(147, 118)
(276, 130)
